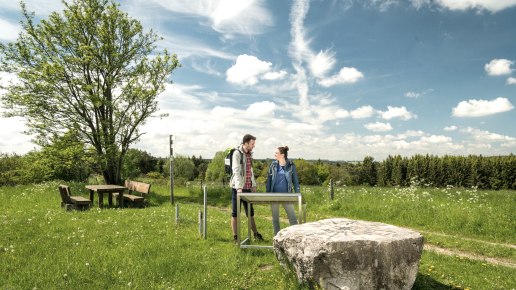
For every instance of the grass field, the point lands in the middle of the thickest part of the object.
(471, 234)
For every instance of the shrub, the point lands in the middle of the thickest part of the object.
(154, 175)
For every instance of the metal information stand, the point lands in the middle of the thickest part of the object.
(263, 198)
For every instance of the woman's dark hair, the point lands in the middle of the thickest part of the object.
(283, 150)
(247, 138)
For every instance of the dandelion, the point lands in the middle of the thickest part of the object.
(87, 264)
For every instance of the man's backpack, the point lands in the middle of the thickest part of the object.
(228, 160)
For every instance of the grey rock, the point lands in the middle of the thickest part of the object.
(350, 254)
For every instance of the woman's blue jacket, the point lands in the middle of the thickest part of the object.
(290, 174)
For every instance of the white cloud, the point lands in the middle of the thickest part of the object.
(261, 108)
(479, 108)
(341, 113)
(347, 75)
(302, 127)
(486, 136)
(410, 133)
(433, 139)
(498, 67)
(321, 63)
(511, 81)
(8, 31)
(275, 75)
(328, 113)
(490, 5)
(378, 127)
(450, 128)
(362, 112)
(397, 112)
(247, 70)
(223, 111)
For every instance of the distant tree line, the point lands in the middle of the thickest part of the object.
(63, 161)
(493, 172)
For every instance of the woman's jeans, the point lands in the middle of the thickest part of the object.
(291, 213)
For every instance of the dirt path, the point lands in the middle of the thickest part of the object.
(449, 252)
(468, 239)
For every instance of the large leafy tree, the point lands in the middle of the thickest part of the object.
(90, 69)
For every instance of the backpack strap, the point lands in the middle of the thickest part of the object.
(241, 156)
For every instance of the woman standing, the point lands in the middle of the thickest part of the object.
(282, 177)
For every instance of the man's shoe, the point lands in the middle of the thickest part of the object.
(258, 236)
(235, 239)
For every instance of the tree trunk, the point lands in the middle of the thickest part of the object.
(112, 172)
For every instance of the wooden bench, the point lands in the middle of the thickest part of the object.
(133, 187)
(72, 202)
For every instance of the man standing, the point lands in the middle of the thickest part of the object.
(242, 180)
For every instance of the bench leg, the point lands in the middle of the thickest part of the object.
(121, 199)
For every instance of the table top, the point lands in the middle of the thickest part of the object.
(269, 197)
(105, 187)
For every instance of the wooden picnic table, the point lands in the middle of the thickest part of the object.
(109, 189)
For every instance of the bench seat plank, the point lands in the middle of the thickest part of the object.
(79, 200)
(136, 187)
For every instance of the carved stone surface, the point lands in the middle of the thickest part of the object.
(350, 254)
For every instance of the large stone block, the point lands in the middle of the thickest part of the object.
(350, 254)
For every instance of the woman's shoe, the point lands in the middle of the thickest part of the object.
(258, 236)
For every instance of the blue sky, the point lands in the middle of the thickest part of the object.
(333, 80)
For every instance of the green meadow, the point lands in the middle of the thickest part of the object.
(470, 238)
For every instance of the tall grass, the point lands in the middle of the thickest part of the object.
(45, 247)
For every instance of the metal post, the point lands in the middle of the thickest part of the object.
(205, 216)
(331, 189)
(177, 213)
(304, 213)
(171, 169)
(200, 223)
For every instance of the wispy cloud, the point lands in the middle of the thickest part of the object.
(417, 95)
(486, 136)
(489, 5)
(39, 7)
(479, 108)
(310, 66)
(205, 66)
(186, 47)
(319, 64)
(230, 18)
(511, 81)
